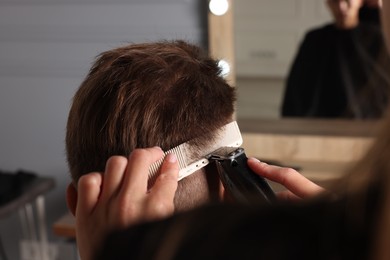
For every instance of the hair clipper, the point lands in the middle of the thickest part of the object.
(241, 183)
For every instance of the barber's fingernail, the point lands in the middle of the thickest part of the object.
(158, 147)
(171, 157)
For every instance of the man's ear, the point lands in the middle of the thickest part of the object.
(71, 198)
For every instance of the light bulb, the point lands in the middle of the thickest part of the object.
(218, 7)
(225, 68)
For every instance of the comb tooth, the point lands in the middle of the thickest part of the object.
(180, 156)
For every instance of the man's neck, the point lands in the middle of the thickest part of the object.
(347, 24)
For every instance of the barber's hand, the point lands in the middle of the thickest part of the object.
(120, 198)
(297, 185)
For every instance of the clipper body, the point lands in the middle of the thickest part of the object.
(241, 183)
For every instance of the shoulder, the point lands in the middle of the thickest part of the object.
(320, 32)
(369, 29)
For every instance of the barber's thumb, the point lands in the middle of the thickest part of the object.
(170, 166)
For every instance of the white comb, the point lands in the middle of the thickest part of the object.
(228, 136)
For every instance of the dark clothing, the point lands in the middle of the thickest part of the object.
(328, 229)
(369, 14)
(13, 184)
(339, 74)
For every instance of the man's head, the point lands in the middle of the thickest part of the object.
(345, 12)
(144, 95)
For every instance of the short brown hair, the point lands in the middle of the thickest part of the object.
(142, 95)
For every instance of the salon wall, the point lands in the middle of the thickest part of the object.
(46, 48)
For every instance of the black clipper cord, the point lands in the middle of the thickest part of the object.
(240, 181)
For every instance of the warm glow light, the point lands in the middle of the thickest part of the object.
(225, 68)
(218, 7)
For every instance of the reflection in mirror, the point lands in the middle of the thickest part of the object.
(267, 36)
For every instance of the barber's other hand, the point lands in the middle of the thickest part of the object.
(298, 187)
(119, 197)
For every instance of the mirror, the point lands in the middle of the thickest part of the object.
(260, 39)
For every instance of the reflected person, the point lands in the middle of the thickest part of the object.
(341, 69)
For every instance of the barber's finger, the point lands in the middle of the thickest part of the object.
(163, 191)
(287, 195)
(89, 187)
(113, 175)
(288, 177)
(136, 179)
